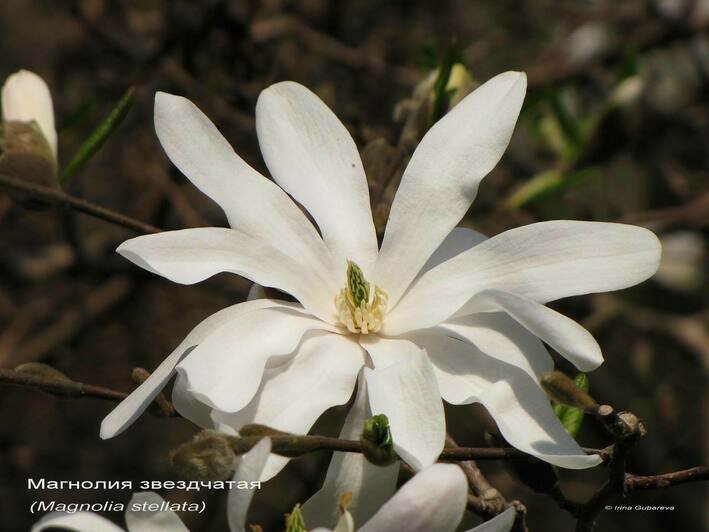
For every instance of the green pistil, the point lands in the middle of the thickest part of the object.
(357, 284)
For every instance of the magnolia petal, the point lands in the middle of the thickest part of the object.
(224, 371)
(135, 404)
(313, 157)
(386, 352)
(147, 520)
(248, 469)
(407, 392)
(460, 239)
(189, 406)
(253, 204)
(500, 523)
(516, 402)
(543, 261)
(78, 522)
(188, 256)
(499, 336)
(563, 334)
(369, 484)
(26, 97)
(441, 180)
(433, 499)
(292, 396)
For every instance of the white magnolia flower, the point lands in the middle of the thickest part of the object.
(432, 500)
(26, 98)
(437, 312)
(140, 517)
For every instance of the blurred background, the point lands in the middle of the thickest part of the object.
(615, 128)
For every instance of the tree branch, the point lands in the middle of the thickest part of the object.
(52, 196)
(485, 500)
(638, 482)
(67, 388)
(62, 388)
(626, 429)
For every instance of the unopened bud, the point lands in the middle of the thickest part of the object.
(563, 390)
(26, 98)
(376, 440)
(460, 83)
(209, 456)
(40, 369)
(294, 520)
(629, 426)
(28, 140)
(628, 91)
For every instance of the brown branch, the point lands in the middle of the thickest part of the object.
(61, 388)
(638, 482)
(298, 445)
(589, 511)
(53, 196)
(486, 500)
(626, 429)
(67, 388)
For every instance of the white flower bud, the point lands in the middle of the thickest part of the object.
(26, 98)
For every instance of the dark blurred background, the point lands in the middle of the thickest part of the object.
(615, 128)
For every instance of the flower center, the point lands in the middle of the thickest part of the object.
(360, 305)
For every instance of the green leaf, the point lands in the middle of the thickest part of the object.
(572, 418)
(98, 136)
(546, 184)
(442, 95)
(568, 124)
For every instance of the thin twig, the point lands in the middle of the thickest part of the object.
(486, 500)
(297, 445)
(638, 482)
(52, 196)
(62, 388)
(67, 388)
(626, 429)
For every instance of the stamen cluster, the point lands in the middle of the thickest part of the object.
(360, 305)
